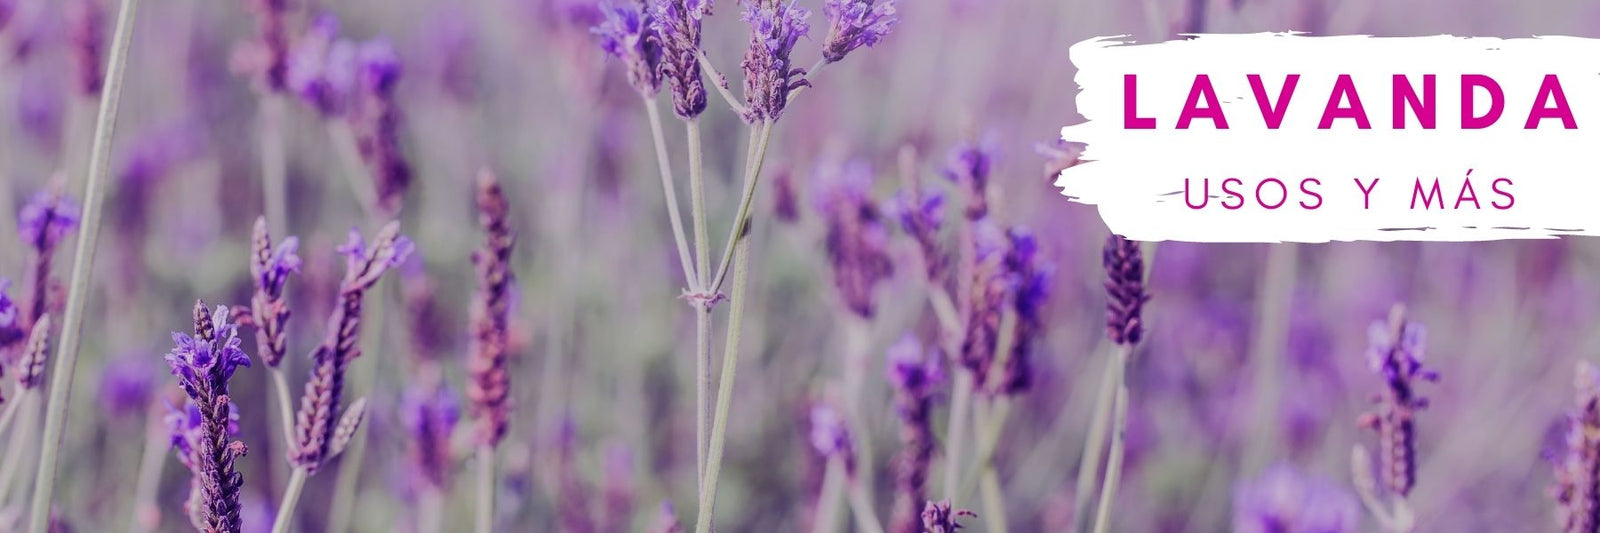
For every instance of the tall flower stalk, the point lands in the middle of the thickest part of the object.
(915, 373)
(1577, 488)
(270, 267)
(83, 263)
(489, 381)
(1395, 352)
(1125, 298)
(202, 436)
(318, 436)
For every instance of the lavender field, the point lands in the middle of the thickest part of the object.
(272, 265)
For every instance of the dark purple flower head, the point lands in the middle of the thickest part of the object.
(1008, 278)
(1395, 354)
(769, 73)
(10, 322)
(322, 67)
(1577, 472)
(914, 370)
(270, 266)
(628, 34)
(853, 24)
(940, 517)
(271, 45)
(968, 166)
(857, 240)
(126, 384)
(205, 365)
(915, 374)
(1284, 500)
(86, 26)
(677, 25)
(1125, 294)
(785, 200)
(921, 215)
(376, 121)
(378, 65)
(46, 219)
(281, 261)
(430, 418)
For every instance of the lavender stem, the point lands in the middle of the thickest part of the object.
(1094, 445)
(721, 83)
(1108, 489)
(21, 445)
(82, 265)
(702, 302)
(285, 407)
(355, 172)
(9, 414)
(148, 481)
(956, 431)
(993, 501)
(291, 498)
(1270, 340)
(827, 513)
(747, 198)
(670, 188)
(485, 503)
(730, 360)
(273, 172)
(862, 509)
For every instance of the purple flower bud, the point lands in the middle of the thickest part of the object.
(853, 24)
(940, 517)
(1286, 500)
(1396, 355)
(628, 34)
(968, 166)
(430, 418)
(379, 65)
(1008, 277)
(376, 121)
(915, 373)
(1577, 472)
(921, 214)
(677, 26)
(857, 240)
(46, 219)
(1125, 294)
(321, 68)
(769, 74)
(830, 435)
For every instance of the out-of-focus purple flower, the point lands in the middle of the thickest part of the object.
(785, 200)
(769, 74)
(267, 57)
(270, 266)
(1125, 294)
(628, 34)
(1395, 353)
(46, 219)
(446, 51)
(430, 419)
(1059, 155)
(968, 166)
(1008, 277)
(377, 122)
(1577, 472)
(126, 385)
(321, 68)
(915, 374)
(1284, 500)
(921, 214)
(830, 435)
(39, 106)
(666, 520)
(677, 23)
(8, 8)
(857, 240)
(10, 320)
(940, 517)
(853, 24)
(86, 27)
(357, 257)
(617, 490)
(490, 380)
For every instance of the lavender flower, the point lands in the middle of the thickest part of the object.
(830, 436)
(677, 26)
(377, 122)
(939, 517)
(430, 417)
(271, 49)
(617, 489)
(31, 368)
(853, 24)
(666, 520)
(921, 214)
(1008, 277)
(43, 222)
(86, 27)
(628, 34)
(1125, 294)
(10, 323)
(203, 364)
(785, 201)
(1577, 488)
(915, 374)
(769, 74)
(1395, 352)
(1284, 500)
(126, 385)
(315, 429)
(270, 268)
(572, 510)
(490, 379)
(968, 166)
(321, 68)
(856, 240)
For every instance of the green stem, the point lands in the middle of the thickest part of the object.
(1270, 340)
(862, 509)
(994, 504)
(730, 360)
(148, 482)
(355, 173)
(430, 511)
(1108, 490)
(291, 499)
(7, 416)
(485, 514)
(670, 187)
(956, 431)
(280, 384)
(702, 303)
(20, 447)
(746, 199)
(826, 517)
(55, 422)
(1094, 446)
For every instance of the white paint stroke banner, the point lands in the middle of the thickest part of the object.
(1279, 137)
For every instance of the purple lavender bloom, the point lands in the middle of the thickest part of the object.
(1125, 294)
(941, 517)
(377, 122)
(1577, 472)
(830, 435)
(203, 364)
(677, 25)
(853, 24)
(46, 219)
(1284, 500)
(769, 73)
(628, 34)
(321, 68)
(10, 326)
(1395, 353)
(915, 374)
(126, 385)
(921, 215)
(430, 418)
(857, 239)
(86, 27)
(785, 200)
(1008, 278)
(271, 49)
(968, 166)
(8, 8)
(354, 250)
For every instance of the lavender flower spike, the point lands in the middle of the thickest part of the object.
(1008, 277)
(940, 517)
(321, 68)
(769, 73)
(11, 332)
(42, 223)
(677, 27)
(1395, 353)
(857, 240)
(377, 122)
(430, 418)
(490, 379)
(315, 427)
(1577, 489)
(915, 374)
(853, 24)
(270, 268)
(203, 364)
(31, 367)
(969, 166)
(86, 26)
(272, 48)
(1285, 499)
(1125, 294)
(628, 34)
